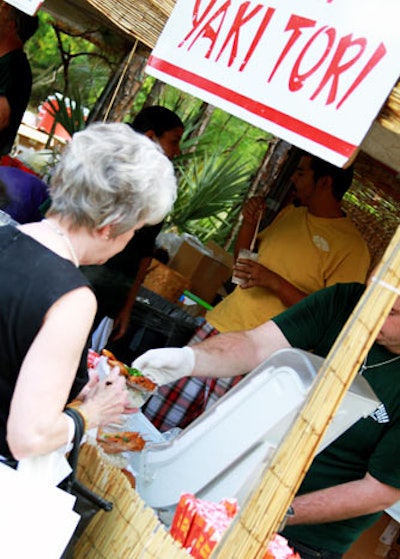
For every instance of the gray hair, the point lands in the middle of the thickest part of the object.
(110, 175)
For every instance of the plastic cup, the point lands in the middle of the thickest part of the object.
(249, 255)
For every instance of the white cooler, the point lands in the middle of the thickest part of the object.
(222, 453)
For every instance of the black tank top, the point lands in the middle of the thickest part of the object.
(32, 278)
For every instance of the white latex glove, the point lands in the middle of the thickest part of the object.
(167, 364)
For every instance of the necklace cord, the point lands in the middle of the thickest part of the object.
(67, 240)
(364, 366)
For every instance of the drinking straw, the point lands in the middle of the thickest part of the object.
(253, 240)
(197, 299)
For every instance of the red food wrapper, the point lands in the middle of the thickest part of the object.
(92, 359)
(199, 525)
(278, 548)
(183, 518)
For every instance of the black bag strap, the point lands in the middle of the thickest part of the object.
(71, 483)
(80, 489)
(76, 442)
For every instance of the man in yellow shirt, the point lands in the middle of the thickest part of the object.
(308, 246)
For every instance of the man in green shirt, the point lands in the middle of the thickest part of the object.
(357, 475)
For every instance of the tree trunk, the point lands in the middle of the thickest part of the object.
(275, 183)
(118, 95)
(271, 181)
(155, 94)
(204, 116)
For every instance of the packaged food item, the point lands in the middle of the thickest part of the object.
(92, 359)
(278, 548)
(198, 525)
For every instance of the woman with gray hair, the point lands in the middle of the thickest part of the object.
(109, 183)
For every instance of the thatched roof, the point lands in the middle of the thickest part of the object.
(134, 19)
(390, 113)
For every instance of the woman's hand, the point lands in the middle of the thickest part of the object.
(106, 401)
(92, 382)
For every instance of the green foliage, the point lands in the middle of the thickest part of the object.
(68, 112)
(211, 190)
(89, 67)
(239, 136)
(215, 168)
(42, 49)
(140, 98)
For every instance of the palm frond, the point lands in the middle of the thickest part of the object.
(210, 194)
(68, 112)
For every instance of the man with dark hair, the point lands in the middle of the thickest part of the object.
(16, 28)
(116, 283)
(159, 123)
(311, 244)
(341, 178)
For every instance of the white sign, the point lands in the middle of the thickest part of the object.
(312, 72)
(30, 7)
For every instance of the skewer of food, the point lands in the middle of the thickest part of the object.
(120, 441)
(140, 387)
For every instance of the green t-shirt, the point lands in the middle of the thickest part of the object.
(372, 444)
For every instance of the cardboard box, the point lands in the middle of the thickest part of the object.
(205, 271)
(166, 282)
(380, 541)
(221, 254)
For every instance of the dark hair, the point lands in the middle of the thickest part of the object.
(156, 118)
(25, 25)
(341, 178)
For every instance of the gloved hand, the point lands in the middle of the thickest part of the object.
(167, 364)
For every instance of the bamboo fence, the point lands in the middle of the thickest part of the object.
(373, 204)
(133, 531)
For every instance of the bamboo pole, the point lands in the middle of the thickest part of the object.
(121, 79)
(267, 504)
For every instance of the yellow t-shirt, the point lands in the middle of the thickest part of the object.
(310, 252)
